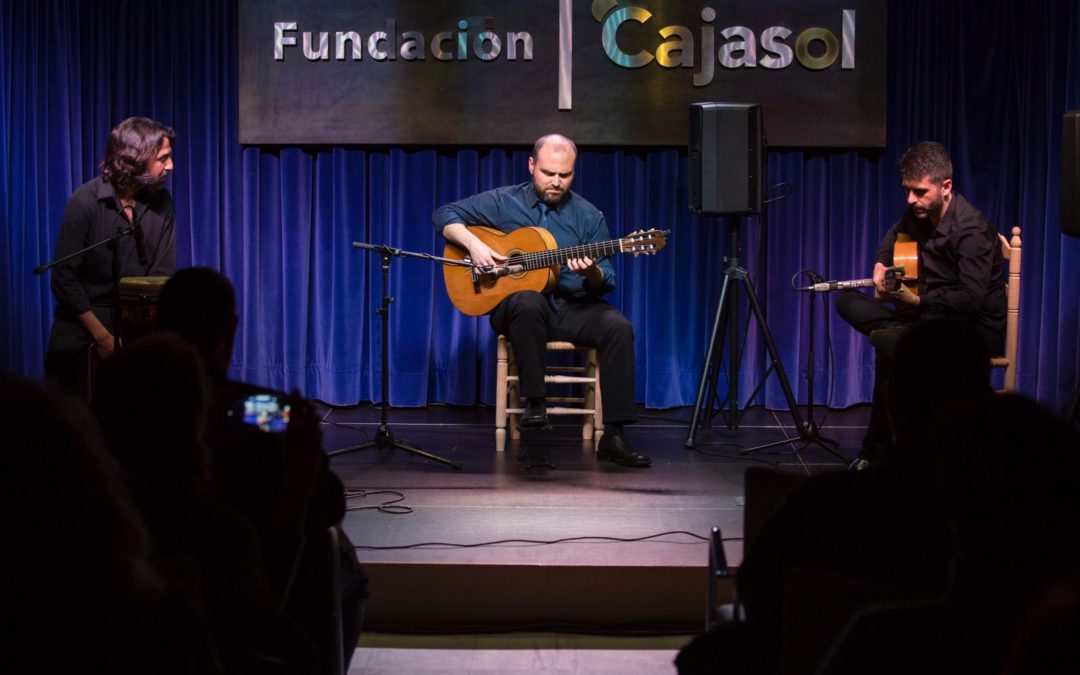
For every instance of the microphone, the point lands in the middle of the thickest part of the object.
(826, 286)
(892, 277)
(502, 270)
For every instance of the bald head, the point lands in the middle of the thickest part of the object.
(552, 168)
(556, 143)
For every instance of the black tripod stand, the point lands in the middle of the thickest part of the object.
(724, 323)
(384, 437)
(811, 426)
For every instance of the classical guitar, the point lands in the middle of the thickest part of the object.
(906, 257)
(904, 271)
(532, 263)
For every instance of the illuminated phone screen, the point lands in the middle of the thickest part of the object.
(267, 412)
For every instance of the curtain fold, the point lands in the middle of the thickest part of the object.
(989, 80)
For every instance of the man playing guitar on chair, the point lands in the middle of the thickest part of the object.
(574, 311)
(961, 275)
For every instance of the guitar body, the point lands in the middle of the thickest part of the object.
(476, 295)
(906, 255)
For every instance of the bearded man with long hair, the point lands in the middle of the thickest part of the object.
(128, 195)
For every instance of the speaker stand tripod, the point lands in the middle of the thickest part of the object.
(384, 437)
(724, 323)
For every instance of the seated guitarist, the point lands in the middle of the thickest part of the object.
(575, 310)
(961, 276)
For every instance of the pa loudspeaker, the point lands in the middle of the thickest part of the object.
(1070, 174)
(726, 157)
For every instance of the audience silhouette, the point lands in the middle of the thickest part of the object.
(282, 483)
(1010, 474)
(881, 532)
(150, 399)
(83, 589)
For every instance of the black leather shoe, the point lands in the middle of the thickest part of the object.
(619, 451)
(873, 452)
(535, 414)
(859, 463)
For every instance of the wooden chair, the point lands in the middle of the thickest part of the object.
(1010, 250)
(508, 404)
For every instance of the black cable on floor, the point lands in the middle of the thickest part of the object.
(391, 506)
(628, 630)
(541, 542)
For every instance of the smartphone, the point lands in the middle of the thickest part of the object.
(267, 412)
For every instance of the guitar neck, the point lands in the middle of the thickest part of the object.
(540, 259)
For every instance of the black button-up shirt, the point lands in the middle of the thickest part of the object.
(961, 269)
(93, 213)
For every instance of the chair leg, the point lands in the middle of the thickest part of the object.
(588, 426)
(598, 416)
(513, 397)
(501, 393)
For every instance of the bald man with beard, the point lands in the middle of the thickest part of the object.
(575, 309)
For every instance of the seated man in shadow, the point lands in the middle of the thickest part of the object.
(1010, 472)
(254, 470)
(883, 527)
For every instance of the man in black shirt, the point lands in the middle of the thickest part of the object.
(130, 192)
(961, 275)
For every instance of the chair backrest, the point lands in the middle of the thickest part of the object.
(1011, 251)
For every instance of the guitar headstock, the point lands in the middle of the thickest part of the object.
(646, 241)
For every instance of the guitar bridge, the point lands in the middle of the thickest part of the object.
(474, 274)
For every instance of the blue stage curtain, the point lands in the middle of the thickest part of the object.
(990, 80)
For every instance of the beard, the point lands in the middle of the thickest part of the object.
(148, 184)
(551, 199)
(933, 209)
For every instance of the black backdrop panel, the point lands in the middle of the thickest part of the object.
(490, 72)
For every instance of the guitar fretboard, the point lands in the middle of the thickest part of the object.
(540, 259)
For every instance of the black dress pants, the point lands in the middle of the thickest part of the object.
(529, 321)
(867, 316)
(67, 359)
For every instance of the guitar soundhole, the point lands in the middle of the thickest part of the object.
(511, 257)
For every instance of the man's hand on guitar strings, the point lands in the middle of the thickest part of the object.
(587, 268)
(483, 257)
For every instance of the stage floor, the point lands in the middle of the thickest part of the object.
(498, 545)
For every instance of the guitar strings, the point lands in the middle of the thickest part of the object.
(540, 259)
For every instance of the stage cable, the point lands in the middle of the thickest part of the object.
(390, 506)
(542, 542)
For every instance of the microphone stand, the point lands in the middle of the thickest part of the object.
(120, 234)
(384, 437)
(811, 426)
(810, 433)
(114, 242)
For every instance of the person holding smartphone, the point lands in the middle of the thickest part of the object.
(268, 460)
